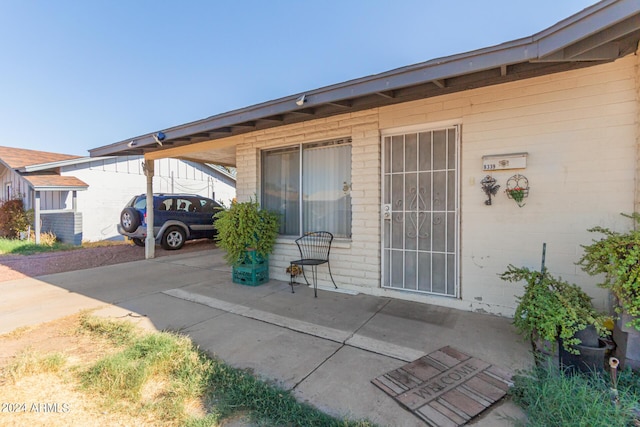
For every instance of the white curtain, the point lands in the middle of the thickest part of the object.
(281, 187)
(326, 186)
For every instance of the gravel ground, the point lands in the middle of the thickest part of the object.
(18, 266)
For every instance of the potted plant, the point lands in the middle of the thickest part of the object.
(248, 234)
(617, 257)
(552, 309)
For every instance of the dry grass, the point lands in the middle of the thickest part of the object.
(41, 371)
(88, 371)
(31, 362)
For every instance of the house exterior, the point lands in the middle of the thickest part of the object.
(80, 198)
(395, 164)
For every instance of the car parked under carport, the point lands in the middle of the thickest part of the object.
(177, 218)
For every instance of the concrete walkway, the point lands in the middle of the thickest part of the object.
(325, 349)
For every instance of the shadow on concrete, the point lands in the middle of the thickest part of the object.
(325, 349)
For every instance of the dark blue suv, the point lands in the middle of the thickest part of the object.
(177, 218)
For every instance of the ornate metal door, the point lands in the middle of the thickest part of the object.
(420, 212)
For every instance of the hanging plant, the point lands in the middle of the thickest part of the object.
(518, 189)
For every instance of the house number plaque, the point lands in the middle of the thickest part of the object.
(495, 162)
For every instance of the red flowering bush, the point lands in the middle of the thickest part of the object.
(13, 218)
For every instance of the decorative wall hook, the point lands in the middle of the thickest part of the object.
(518, 189)
(489, 187)
(346, 188)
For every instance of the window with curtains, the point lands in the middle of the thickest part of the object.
(309, 185)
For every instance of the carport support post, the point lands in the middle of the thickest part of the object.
(150, 242)
(36, 220)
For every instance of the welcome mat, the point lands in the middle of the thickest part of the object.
(446, 387)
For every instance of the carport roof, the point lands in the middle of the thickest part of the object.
(601, 33)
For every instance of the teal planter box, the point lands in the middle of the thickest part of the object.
(253, 271)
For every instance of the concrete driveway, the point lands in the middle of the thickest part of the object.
(325, 349)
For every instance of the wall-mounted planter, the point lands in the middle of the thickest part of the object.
(518, 189)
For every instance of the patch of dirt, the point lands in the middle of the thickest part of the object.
(55, 398)
(56, 336)
(14, 267)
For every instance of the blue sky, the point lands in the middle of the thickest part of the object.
(79, 74)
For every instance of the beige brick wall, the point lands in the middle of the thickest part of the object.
(637, 192)
(581, 130)
(354, 262)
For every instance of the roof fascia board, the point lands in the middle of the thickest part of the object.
(583, 24)
(61, 163)
(6, 165)
(59, 187)
(604, 38)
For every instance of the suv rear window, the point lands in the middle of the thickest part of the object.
(141, 203)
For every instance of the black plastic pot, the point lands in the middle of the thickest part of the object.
(590, 359)
(588, 337)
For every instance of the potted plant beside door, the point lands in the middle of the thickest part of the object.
(248, 234)
(616, 258)
(552, 310)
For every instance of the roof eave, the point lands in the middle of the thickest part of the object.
(61, 163)
(60, 187)
(549, 45)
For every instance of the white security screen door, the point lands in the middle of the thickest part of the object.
(420, 211)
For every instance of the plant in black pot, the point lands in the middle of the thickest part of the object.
(616, 257)
(554, 310)
(248, 234)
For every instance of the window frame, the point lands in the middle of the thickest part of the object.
(300, 148)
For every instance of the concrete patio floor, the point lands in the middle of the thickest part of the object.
(325, 349)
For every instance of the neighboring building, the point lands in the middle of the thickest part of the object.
(80, 198)
(393, 164)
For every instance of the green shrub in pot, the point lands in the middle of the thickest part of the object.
(552, 309)
(617, 256)
(246, 226)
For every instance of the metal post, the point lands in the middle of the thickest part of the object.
(37, 217)
(150, 242)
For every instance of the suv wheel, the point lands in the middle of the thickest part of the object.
(129, 219)
(138, 242)
(173, 238)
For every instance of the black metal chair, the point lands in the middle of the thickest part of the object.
(314, 250)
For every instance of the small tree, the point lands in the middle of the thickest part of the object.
(13, 218)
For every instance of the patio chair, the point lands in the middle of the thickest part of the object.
(314, 250)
